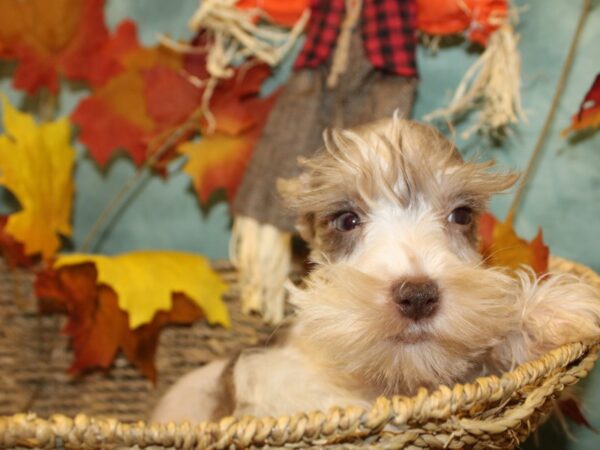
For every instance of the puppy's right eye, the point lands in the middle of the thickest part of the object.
(461, 216)
(346, 221)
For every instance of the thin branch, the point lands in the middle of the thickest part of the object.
(564, 74)
(133, 181)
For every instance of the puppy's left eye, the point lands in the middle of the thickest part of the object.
(346, 221)
(461, 216)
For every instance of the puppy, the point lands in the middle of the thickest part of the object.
(400, 297)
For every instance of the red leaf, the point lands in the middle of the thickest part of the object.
(109, 58)
(170, 97)
(235, 103)
(588, 115)
(97, 326)
(137, 109)
(571, 408)
(13, 251)
(105, 128)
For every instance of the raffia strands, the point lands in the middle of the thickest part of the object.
(450, 418)
(492, 85)
(238, 35)
(234, 35)
(262, 255)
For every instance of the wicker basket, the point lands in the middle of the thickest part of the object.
(101, 410)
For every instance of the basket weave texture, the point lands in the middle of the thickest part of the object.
(103, 410)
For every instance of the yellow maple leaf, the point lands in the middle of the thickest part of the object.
(145, 281)
(36, 164)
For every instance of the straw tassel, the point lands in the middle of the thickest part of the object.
(492, 85)
(262, 255)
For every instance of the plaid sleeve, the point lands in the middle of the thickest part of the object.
(389, 35)
(321, 34)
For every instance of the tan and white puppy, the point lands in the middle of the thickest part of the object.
(400, 297)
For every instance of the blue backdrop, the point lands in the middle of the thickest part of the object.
(563, 197)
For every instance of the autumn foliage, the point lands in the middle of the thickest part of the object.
(479, 18)
(139, 97)
(501, 246)
(49, 40)
(588, 116)
(122, 303)
(30, 153)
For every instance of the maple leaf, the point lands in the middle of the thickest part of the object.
(136, 109)
(236, 105)
(115, 117)
(144, 282)
(220, 158)
(170, 98)
(111, 58)
(501, 246)
(36, 164)
(588, 115)
(218, 161)
(98, 327)
(51, 39)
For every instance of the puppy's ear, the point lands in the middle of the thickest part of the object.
(291, 192)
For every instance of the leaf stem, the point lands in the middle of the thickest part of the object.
(46, 105)
(133, 181)
(564, 74)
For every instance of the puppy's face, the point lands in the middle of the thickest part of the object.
(400, 298)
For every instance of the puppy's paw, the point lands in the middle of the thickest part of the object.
(553, 310)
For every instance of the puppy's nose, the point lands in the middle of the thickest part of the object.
(416, 298)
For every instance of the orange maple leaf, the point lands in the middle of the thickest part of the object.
(49, 39)
(218, 161)
(588, 115)
(99, 329)
(500, 246)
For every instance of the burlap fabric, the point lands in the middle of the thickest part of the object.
(42, 407)
(295, 126)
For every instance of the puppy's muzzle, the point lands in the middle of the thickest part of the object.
(417, 298)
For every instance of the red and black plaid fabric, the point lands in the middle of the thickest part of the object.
(388, 30)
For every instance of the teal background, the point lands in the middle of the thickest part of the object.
(563, 196)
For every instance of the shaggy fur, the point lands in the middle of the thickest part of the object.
(351, 341)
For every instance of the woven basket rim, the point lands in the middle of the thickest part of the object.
(32, 431)
(575, 360)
